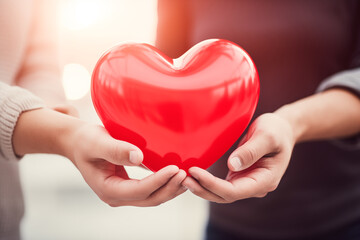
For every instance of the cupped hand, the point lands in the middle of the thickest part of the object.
(255, 167)
(101, 160)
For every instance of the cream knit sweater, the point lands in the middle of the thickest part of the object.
(28, 59)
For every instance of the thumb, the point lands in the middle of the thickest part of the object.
(247, 154)
(120, 152)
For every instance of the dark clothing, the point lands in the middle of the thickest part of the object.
(296, 46)
(351, 232)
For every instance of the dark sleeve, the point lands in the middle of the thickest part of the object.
(173, 27)
(349, 80)
(355, 61)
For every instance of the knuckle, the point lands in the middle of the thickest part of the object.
(261, 132)
(199, 192)
(115, 152)
(273, 186)
(141, 192)
(249, 155)
(270, 137)
(139, 195)
(228, 201)
(273, 139)
(112, 204)
(155, 203)
(261, 195)
(158, 203)
(230, 197)
(195, 191)
(269, 134)
(105, 199)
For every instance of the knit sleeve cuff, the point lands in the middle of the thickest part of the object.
(13, 101)
(349, 80)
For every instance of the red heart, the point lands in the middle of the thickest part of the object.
(187, 112)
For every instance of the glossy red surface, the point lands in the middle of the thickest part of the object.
(187, 111)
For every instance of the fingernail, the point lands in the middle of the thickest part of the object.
(133, 157)
(235, 163)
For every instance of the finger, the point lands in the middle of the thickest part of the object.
(146, 203)
(256, 183)
(142, 189)
(261, 195)
(118, 152)
(167, 192)
(247, 154)
(96, 171)
(104, 183)
(114, 190)
(199, 191)
(121, 172)
(157, 180)
(181, 190)
(219, 187)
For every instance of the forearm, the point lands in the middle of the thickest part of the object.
(40, 69)
(173, 27)
(44, 131)
(331, 114)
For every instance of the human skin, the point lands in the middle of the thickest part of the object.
(258, 164)
(99, 158)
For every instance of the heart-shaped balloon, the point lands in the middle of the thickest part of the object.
(187, 111)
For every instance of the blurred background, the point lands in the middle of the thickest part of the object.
(59, 204)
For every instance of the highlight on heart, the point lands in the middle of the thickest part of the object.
(185, 112)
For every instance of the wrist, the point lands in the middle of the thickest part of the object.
(44, 131)
(68, 140)
(294, 118)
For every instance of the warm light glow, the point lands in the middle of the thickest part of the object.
(76, 81)
(79, 14)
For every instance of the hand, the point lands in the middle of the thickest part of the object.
(255, 168)
(66, 109)
(100, 159)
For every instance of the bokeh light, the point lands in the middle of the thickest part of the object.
(76, 81)
(80, 14)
